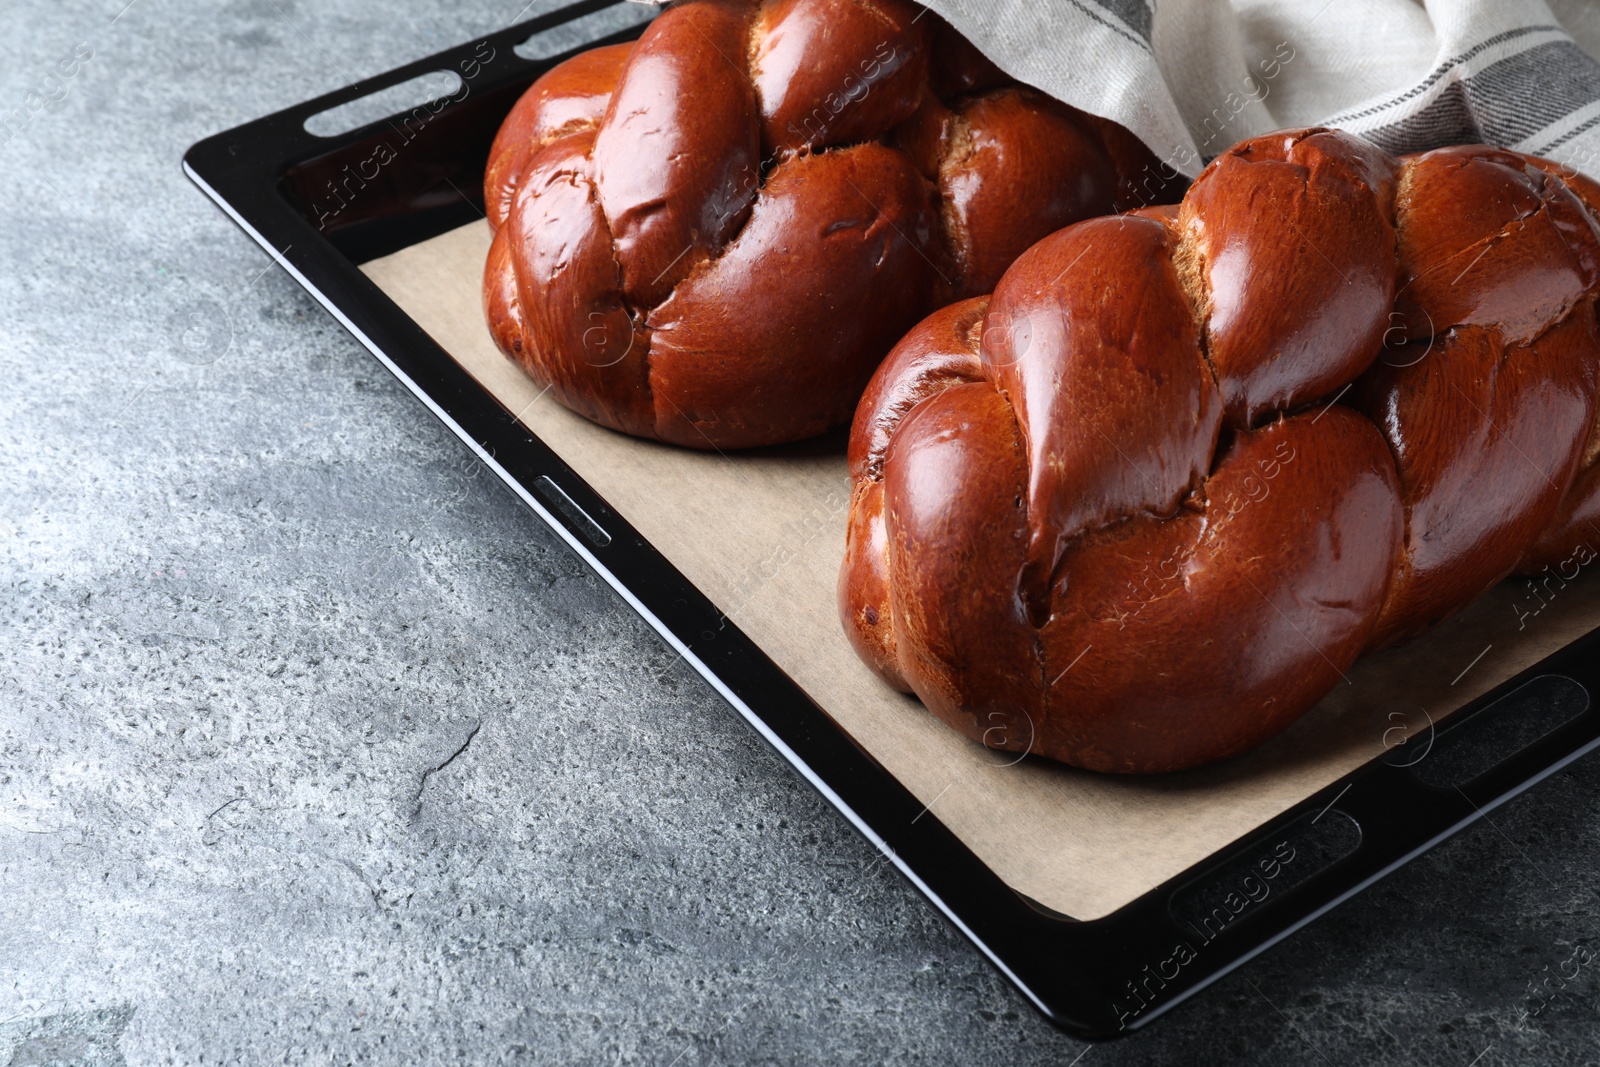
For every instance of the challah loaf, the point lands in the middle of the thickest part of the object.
(1141, 508)
(714, 235)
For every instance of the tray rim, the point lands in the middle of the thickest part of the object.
(240, 170)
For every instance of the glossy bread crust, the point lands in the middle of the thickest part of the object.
(1140, 509)
(712, 236)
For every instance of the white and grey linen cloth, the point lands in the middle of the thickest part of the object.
(1191, 77)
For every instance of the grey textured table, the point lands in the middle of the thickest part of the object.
(316, 747)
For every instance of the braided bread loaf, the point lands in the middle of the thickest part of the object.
(713, 236)
(1143, 507)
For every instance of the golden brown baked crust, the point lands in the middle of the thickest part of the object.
(713, 236)
(1139, 510)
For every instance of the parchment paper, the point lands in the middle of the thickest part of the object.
(762, 535)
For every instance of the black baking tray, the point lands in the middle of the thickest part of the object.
(1095, 979)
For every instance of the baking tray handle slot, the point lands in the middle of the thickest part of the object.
(1270, 867)
(1497, 733)
(582, 31)
(580, 520)
(431, 91)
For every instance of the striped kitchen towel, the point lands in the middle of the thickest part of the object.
(1191, 77)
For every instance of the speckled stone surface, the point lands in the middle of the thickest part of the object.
(315, 747)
